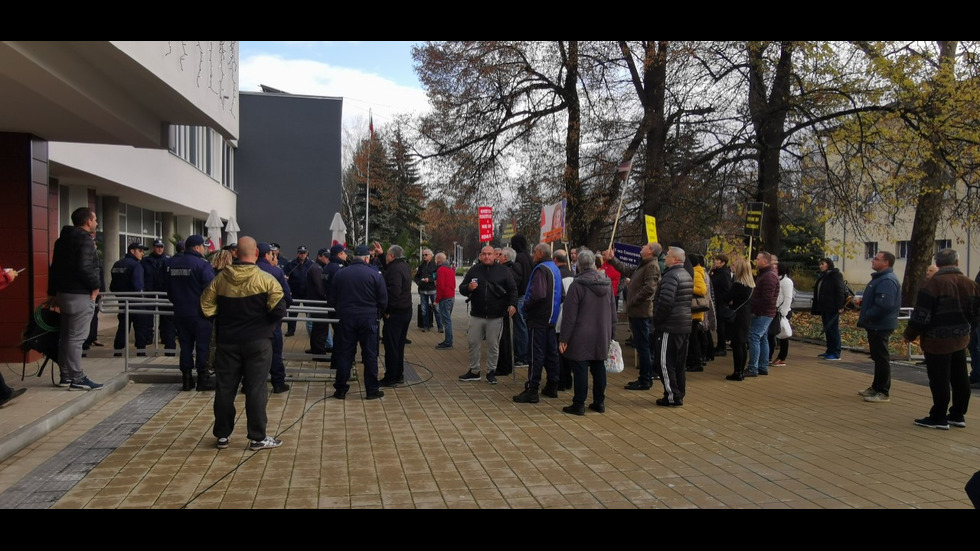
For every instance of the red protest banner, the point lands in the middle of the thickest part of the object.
(486, 223)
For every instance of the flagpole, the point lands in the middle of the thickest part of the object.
(623, 167)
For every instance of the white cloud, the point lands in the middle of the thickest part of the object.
(360, 90)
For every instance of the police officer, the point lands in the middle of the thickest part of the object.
(186, 279)
(295, 272)
(127, 276)
(154, 271)
(278, 368)
(360, 297)
(316, 290)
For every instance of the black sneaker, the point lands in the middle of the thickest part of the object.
(221, 444)
(443, 346)
(492, 377)
(386, 383)
(527, 397)
(85, 384)
(550, 390)
(574, 410)
(597, 407)
(956, 421)
(374, 395)
(63, 383)
(469, 376)
(638, 385)
(664, 402)
(280, 388)
(929, 423)
(340, 395)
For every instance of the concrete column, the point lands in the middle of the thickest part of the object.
(110, 231)
(168, 232)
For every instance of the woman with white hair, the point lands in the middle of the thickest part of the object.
(587, 325)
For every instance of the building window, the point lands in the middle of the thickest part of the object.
(870, 249)
(902, 249)
(943, 244)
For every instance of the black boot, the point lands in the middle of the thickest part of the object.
(188, 380)
(205, 381)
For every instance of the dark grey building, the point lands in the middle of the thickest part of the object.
(288, 169)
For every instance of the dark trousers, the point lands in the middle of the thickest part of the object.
(722, 331)
(277, 371)
(505, 358)
(580, 373)
(945, 371)
(565, 374)
(194, 335)
(878, 343)
(235, 364)
(544, 355)
(640, 329)
(974, 349)
(393, 337)
(521, 334)
(670, 359)
(319, 333)
(831, 327)
(142, 325)
(740, 356)
(168, 329)
(695, 350)
(5, 391)
(351, 331)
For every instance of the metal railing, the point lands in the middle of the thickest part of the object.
(157, 304)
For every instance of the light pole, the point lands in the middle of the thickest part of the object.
(455, 255)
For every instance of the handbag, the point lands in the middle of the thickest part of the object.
(614, 362)
(700, 304)
(785, 329)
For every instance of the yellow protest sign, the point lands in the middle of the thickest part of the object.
(651, 229)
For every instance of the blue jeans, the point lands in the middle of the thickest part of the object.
(520, 334)
(427, 302)
(831, 327)
(640, 328)
(759, 344)
(445, 314)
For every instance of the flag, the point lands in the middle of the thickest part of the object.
(624, 166)
(371, 123)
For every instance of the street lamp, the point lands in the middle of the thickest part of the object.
(455, 255)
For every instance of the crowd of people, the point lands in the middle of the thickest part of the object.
(553, 311)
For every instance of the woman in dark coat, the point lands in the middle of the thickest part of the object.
(738, 327)
(587, 325)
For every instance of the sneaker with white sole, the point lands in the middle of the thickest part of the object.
(867, 392)
(85, 384)
(267, 442)
(222, 443)
(491, 377)
(469, 376)
(956, 421)
(930, 424)
(65, 382)
(877, 397)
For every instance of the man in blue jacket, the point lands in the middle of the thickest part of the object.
(127, 277)
(189, 274)
(879, 317)
(360, 296)
(295, 272)
(154, 271)
(541, 307)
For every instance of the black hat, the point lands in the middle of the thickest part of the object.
(337, 249)
(136, 245)
(275, 246)
(158, 243)
(264, 248)
(301, 249)
(230, 247)
(362, 250)
(324, 251)
(194, 241)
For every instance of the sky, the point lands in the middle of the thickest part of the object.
(375, 76)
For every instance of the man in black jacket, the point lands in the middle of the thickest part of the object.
(73, 284)
(317, 290)
(829, 298)
(425, 278)
(492, 295)
(721, 284)
(672, 327)
(397, 316)
(295, 272)
(127, 277)
(155, 267)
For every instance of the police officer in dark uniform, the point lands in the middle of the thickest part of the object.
(278, 368)
(295, 272)
(154, 271)
(360, 297)
(127, 276)
(188, 275)
(316, 290)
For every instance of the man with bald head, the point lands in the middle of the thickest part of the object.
(493, 294)
(246, 304)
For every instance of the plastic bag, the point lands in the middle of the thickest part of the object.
(785, 329)
(614, 363)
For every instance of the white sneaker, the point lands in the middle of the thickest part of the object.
(267, 442)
